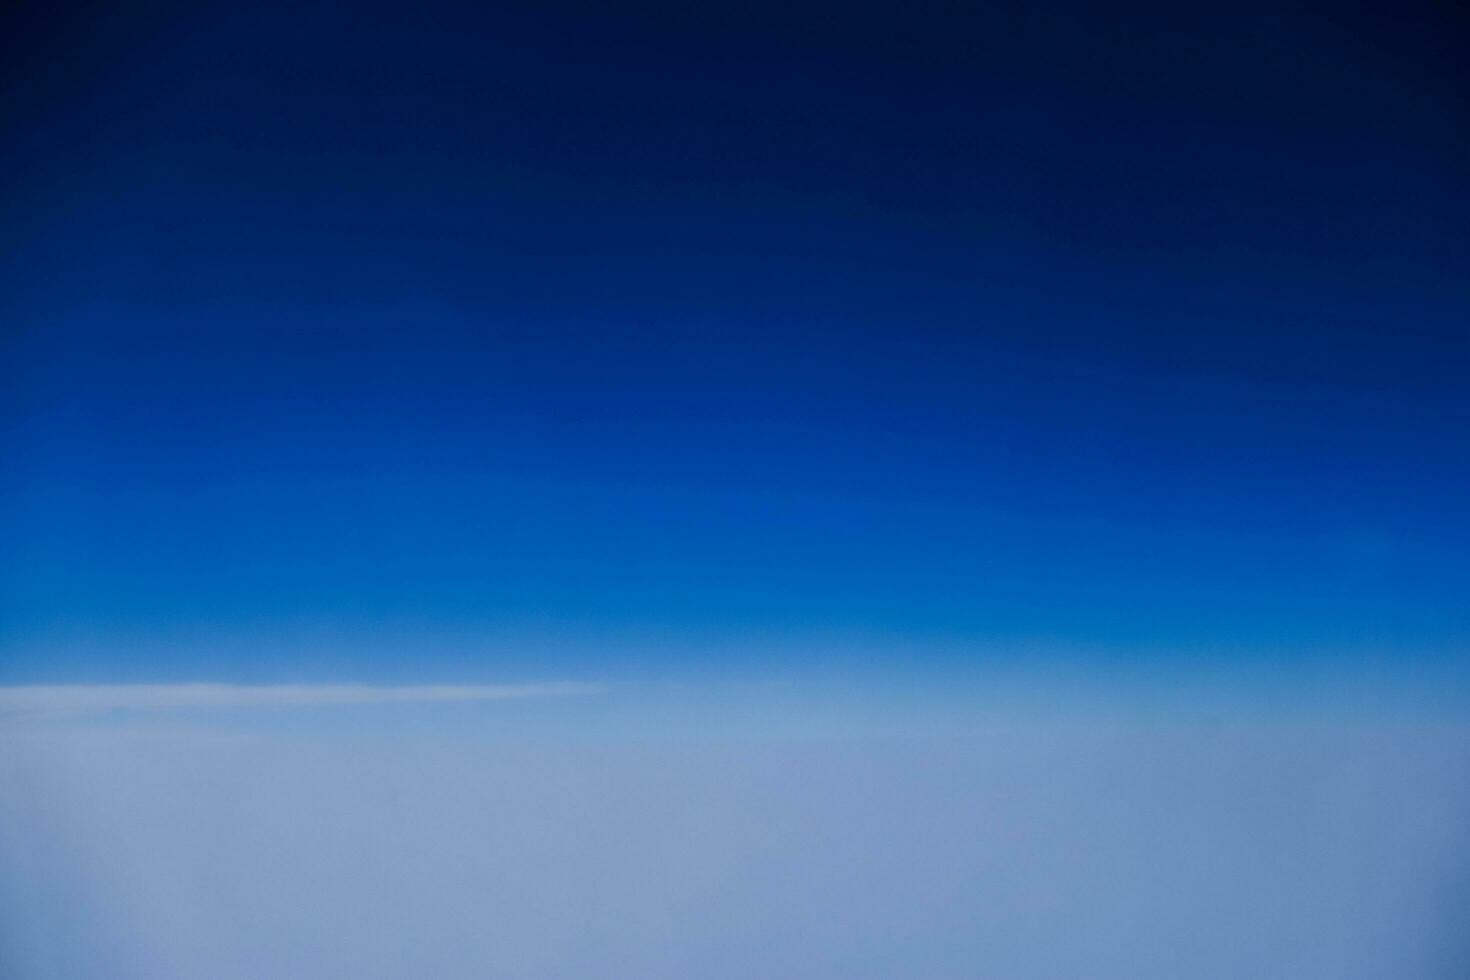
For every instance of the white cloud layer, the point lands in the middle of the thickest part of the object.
(1026, 852)
(47, 698)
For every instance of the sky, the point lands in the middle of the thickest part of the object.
(1125, 331)
(480, 399)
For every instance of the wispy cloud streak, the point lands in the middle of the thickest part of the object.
(112, 697)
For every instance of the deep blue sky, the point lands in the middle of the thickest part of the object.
(439, 341)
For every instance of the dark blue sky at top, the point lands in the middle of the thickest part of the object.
(418, 333)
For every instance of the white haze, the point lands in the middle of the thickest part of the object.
(1021, 851)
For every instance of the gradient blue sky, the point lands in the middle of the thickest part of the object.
(444, 342)
(664, 491)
